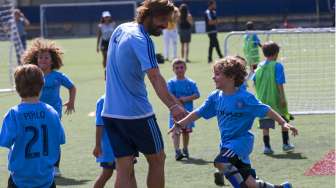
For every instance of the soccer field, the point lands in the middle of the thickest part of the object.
(83, 65)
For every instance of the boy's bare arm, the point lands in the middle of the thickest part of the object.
(191, 117)
(188, 98)
(97, 150)
(275, 116)
(281, 90)
(70, 105)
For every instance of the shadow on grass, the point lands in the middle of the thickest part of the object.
(69, 181)
(290, 155)
(196, 161)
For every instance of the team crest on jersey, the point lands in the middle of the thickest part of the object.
(240, 104)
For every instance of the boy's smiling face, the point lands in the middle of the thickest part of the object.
(44, 61)
(222, 81)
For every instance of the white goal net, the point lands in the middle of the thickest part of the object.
(308, 56)
(10, 46)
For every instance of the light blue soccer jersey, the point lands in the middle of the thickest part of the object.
(130, 55)
(51, 90)
(280, 77)
(183, 88)
(235, 115)
(107, 152)
(33, 133)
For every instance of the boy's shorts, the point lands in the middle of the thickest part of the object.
(11, 183)
(108, 165)
(269, 123)
(227, 156)
(187, 130)
(130, 136)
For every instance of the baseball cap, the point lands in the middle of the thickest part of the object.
(106, 14)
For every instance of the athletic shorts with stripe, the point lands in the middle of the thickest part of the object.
(131, 136)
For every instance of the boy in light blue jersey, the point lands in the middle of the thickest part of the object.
(185, 91)
(235, 110)
(103, 150)
(33, 133)
(48, 57)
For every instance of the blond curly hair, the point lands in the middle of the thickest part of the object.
(40, 45)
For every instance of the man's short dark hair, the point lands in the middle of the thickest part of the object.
(270, 48)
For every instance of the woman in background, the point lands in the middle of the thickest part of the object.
(105, 30)
(185, 29)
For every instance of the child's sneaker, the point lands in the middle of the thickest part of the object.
(286, 185)
(268, 151)
(57, 172)
(185, 153)
(178, 155)
(288, 147)
(219, 178)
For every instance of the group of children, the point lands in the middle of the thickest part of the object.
(33, 131)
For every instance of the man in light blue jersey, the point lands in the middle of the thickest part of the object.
(33, 133)
(235, 110)
(127, 113)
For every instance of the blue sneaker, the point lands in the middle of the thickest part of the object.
(178, 155)
(268, 151)
(288, 147)
(185, 153)
(286, 185)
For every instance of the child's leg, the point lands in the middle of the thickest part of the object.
(186, 137)
(176, 141)
(265, 125)
(266, 137)
(105, 175)
(285, 136)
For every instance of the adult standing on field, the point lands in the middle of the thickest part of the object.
(185, 29)
(211, 29)
(105, 30)
(127, 114)
(21, 22)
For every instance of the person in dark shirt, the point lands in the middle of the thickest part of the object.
(211, 29)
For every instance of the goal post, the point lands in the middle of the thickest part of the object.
(11, 47)
(70, 18)
(308, 56)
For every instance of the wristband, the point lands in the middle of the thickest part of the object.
(173, 106)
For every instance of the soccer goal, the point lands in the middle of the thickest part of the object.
(74, 19)
(10, 46)
(308, 56)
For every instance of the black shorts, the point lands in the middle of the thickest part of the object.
(131, 136)
(228, 156)
(185, 35)
(11, 183)
(108, 165)
(104, 45)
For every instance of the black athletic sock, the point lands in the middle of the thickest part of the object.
(285, 137)
(267, 141)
